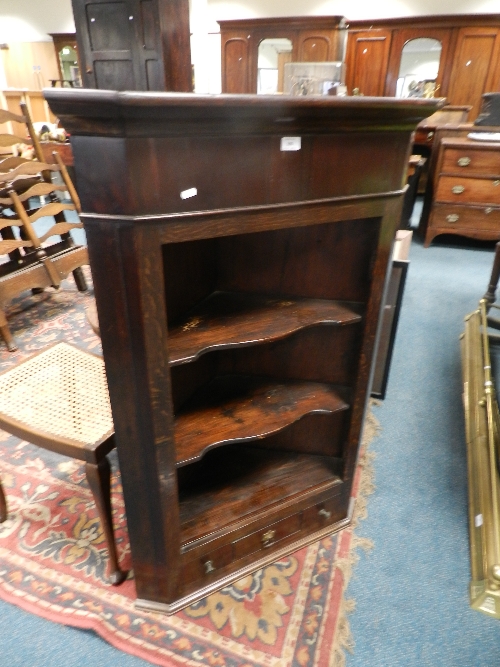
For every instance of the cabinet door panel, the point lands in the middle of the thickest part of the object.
(114, 74)
(314, 49)
(367, 60)
(108, 25)
(401, 38)
(235, 66)
(476, 54)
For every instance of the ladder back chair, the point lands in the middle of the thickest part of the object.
(32, 139)
(33, 264)
(58, 399)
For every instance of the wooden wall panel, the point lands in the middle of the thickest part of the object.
(29, 65)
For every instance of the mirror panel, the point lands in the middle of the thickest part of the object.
(273, 54)
(68, 61)
(419, 68)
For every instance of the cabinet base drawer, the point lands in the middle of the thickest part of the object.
(466, 217)
(221, 558)
(470, 161)
(468, 190)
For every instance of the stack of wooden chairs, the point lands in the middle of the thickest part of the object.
(27, 194)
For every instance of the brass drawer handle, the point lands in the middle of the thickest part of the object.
(496, 183)
(267, 538)
(325, 513)
(488, 210)
(209, 567)
(463, 161)
(453, 217)
(457, 189)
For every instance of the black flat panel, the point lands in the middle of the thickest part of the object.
(114, 74)
(108, 25)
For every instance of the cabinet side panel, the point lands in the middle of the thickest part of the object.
(133, 329)
(99, 192)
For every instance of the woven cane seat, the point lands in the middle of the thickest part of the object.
(58, 399)
(61, 392)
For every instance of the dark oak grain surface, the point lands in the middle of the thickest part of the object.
(204, 281)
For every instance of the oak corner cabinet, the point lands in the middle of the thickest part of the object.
(238, 288)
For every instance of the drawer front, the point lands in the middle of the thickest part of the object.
(267, 537)
(211, 562)
(258, 543)
(468, 190)
(321, 514)
(469, 161)
(485, 218)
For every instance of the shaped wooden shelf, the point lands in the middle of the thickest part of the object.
(242, 408)
(230, 319)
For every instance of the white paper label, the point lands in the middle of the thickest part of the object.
(290, 143)
(478, 520)
(186, 194)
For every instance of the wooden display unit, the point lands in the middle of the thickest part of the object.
(238, 289)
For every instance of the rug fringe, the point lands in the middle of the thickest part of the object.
(343, 640)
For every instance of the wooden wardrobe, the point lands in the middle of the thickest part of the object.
(313, 38)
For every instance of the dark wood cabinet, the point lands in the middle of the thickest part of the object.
(239, 288)
(313, 39)
(470, 56)
(134, 44)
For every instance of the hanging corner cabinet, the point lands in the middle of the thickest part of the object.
(239, 247)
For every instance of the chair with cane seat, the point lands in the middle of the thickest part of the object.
(58, 399)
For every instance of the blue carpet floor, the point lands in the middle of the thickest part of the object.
(411, 590)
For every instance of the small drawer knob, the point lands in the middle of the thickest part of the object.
(209, 567)
(267, 538)
(463, 161)
(430, 136)
(457, 189)
(324, 513)
(453, 217)
(488, 210)
(496, 183)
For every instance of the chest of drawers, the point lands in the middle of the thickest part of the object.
(466, 190)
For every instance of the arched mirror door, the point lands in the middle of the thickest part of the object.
(67, 60)
(419, 67)
(272, 56)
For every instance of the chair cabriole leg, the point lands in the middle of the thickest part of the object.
(99, 479)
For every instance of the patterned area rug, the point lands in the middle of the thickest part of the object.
(53, 558)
